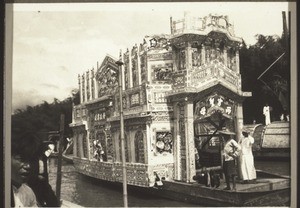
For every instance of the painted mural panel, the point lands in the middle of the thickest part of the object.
(162, 72)
(164, 142)
(135, 99)
(108, 81)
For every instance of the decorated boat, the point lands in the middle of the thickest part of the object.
(178, 91)
(271, 141)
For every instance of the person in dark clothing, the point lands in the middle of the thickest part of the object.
(39, 180)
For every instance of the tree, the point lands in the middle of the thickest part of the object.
(273, 85)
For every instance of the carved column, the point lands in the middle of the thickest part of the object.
(80, 88)
(189, 63)
(175, 59)
(130, 84)
(237, 60)
(225, 56)
(91, 85)
(177, 169)
(88, 152)
(203, 54)
(85, 87)
(139, 75)
(96, 87)
(190, 145)
(80, 144)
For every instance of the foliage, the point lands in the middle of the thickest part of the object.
(273, 86)
(43, 118)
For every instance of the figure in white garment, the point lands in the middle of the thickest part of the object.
(246, 160)
(266, 112)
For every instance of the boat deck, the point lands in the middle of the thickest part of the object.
(268, 190)
(262, 184)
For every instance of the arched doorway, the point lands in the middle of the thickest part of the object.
(211, 115)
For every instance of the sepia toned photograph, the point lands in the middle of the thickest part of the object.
(152, 104)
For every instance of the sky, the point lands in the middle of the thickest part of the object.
(53, 43)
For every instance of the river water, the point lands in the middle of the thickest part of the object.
(86, 192)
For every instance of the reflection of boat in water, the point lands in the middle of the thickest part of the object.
(178, 91)
(271, 141)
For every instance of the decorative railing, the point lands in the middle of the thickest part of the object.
(191, 24)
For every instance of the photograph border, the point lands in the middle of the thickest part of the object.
(7, 102)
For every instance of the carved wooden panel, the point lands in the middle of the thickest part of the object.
(139, 147)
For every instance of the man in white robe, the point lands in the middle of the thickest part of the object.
(248, 172)
(266, 112)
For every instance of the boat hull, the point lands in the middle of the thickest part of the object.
(270, 190)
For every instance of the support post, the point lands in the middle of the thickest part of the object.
(120, 63)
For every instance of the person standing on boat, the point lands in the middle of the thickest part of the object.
(24, 148)
(246, 159)
(267, 113)
(230, 153)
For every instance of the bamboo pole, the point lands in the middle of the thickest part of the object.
(270, 66)
(59, 159)
(120, 63)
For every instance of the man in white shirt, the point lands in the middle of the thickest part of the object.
(230, 152)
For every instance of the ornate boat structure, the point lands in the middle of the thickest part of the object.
(271, 141)
(179, 90)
